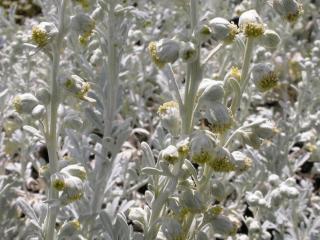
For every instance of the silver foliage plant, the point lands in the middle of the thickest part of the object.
(161, 120)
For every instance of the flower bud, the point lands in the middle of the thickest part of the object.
(254, 227)
(188, 52)
(270, 39)
(170, 154)
(192, 201)
(223, 30)
(290, 10)
(251, 139)
(218, 191)
(12, 122)
(85, 4)
(265, 130)
(96, 57)
(202, 144)
(203, 32)
(43, 95)
(164, 51)
(24, 103)
(210, 91)
(83, 26)
(253, 199)
(219, 118)
(264, 77)
(43, 33)
(242, 162)
(73, 121)
(224, 225)
(274, 180)
(137, 215)
(69, 228)
(171, 229)
(76, 171)
(72, 191)
(276, 198)
(289, 192)
(251, 24)
(183, 147)
(222, 160)
(38, 112)
(170, 117)
(58, 181)
(288, 189)
(77, 86)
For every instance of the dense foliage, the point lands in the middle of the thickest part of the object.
(167, 120)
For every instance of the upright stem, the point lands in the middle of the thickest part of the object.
(244, 79)
(52, 135)
(246, 64)
(103, 168)
(194, 78)
(194, 71)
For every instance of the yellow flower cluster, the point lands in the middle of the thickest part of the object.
(39, 36)
(253, 29)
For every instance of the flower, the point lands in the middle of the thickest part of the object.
(270, 39)
(242, 162)
(83, 25)
(43, 33)
(24, 103)
(170, 117)
(164, 51)
(77, 86)
(223, 30)
(188, 52)
(251, 24)
(202, 144)
(210, 91)
(290, 10)
(222, 160)
(170, 154)
(219, 118)
(264, 77)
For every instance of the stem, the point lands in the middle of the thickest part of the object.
(103, 167)
(233, 135)
(51, 138)
(159, 203)
(194, 71)
(172, 81)
(195, 78)
(244, 79)
(246, 63)
(212, 53)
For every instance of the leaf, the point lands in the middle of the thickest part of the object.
(152, 171)
(93, 118)
(121, 228)
(107, 224)
(126, 205)
(147, 155)
(27, 209)
(33, 131)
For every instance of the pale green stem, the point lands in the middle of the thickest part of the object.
(244, 79)
(212, 53)
(109, 104)
(194, 70)
(173, 83)
(51, 137)
(159, 203)
(236, 132)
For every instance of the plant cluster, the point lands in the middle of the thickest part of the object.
(165, 120)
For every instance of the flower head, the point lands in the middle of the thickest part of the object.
(251, 24)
